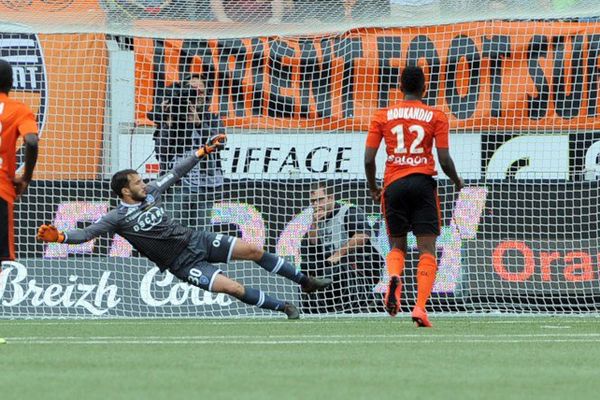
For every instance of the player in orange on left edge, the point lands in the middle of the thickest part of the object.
(16, 120)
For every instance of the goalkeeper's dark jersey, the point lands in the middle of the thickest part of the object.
(145, 225)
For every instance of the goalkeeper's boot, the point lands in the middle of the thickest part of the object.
(291, 311)
(313, 284)
(419, 317)
(391, 301)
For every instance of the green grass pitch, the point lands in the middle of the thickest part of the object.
(345, 358)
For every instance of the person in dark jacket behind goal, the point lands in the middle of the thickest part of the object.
(338, 246)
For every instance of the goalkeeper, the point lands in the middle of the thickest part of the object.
(188, 254)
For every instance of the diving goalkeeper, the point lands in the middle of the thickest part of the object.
(188, 254)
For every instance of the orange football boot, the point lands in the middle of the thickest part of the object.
(419, 316)
(391, 301)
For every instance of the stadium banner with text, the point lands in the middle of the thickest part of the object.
(62, 78)
(525, 250)
(535, 268)
(486, 249)
(514, 75)
(276, 222)
(289, 155)
(493, 156)
(121, 287)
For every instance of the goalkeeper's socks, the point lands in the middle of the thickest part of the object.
(279, 266)
(425, 278)
(395, 262)
(258, 298)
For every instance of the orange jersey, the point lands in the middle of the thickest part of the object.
(408, 129)
(16, 119)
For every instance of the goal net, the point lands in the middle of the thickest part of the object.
(137, 84)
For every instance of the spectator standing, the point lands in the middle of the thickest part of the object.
(183, 122)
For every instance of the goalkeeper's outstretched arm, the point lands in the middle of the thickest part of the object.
(214, 144)
(49, 233)
(108, 223)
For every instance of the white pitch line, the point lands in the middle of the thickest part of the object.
(182, 322)
(302, 342)
(226, 338)
(475, 319)
(349, 336)
(555, 327)
(570, 320)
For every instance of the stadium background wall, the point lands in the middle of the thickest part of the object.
(557, 264)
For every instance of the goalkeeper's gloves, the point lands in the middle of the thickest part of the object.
(215, 143)
(49, 233)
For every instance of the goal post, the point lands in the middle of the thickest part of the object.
(295, 85)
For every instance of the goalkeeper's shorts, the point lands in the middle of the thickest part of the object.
(194, 264)
(7, 235)
(411, 204)
(201, 274)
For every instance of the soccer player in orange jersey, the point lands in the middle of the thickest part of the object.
(409, 196)
(16, 119)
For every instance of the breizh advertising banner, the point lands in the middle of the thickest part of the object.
(122, 287)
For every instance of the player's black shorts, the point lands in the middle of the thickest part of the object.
(7, 246)
(194, 266)
(411, 204)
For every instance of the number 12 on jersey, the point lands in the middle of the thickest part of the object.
(415, 146)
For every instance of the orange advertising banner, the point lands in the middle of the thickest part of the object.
(62, 78)
(500, 75)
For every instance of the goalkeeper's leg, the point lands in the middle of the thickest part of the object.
(208, 277)
(278, 265)
(254, 297)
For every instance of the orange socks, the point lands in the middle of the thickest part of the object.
(395, 262)
(425, 278)
(426, 270)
